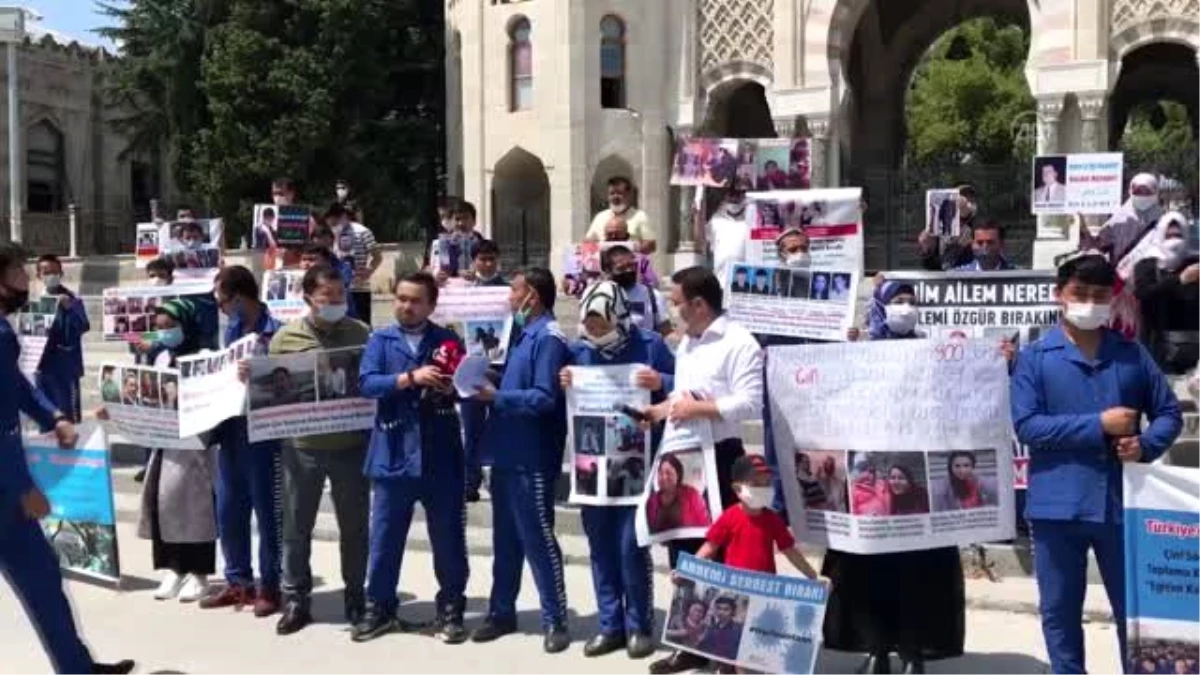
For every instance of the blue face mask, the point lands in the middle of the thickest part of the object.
(521, 316)
(170, 337)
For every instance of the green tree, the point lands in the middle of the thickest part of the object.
(967, 93)
(1159, 138)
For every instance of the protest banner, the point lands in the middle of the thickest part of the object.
(209, 389)
(480, 315)
(1017, 304)
(128, 311)
(609, 452)
(198, 262)
(757, 163)
(767, 623)
(1162, 568)
(941, 213)
(925, 432)
(283, 294)
(682, 497)
(308, 393)
(142, 403)
(78, 484)
(780, 164)
(710, 162)
(798, 302)
(831, 217)
(32, 325)
(147, 244)
(1080, 183)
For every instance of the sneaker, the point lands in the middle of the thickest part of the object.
(375, 623)
(230, 596)
(449, 627)
(266, 603)
(169, 588)
(194, 588)
(118, 668)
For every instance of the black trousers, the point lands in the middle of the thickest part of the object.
(362, 305)
(727, 452)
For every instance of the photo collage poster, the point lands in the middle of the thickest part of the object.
(32, 325)
(814, 301)
(147, 244)
(209, 389)
(308, 393)
(682, 497)
(480, 315)
(283, 294)
(1162, 568)
(608, 451)
(1014, 304)
(280, 226)
(765, 623)
(142, 403)
(930, 428)
(1087, 183)
(751, 164)
(128, 311)
(198, 263)
(82, 525)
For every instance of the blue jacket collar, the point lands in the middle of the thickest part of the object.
(533, 328)
(1110, 344)
(264, 320)
(432, 332)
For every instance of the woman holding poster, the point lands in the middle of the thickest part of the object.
(623, 590)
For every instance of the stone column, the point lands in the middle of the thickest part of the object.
(1049, 114)
(818, 129)
(1091, 109)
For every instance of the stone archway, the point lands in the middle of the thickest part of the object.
(521, 210)
(1154, 71)
(738, 109)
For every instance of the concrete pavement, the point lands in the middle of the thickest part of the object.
(168, 637)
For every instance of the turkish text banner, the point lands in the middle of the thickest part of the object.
(894, 445)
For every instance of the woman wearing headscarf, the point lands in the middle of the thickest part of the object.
(1165, 285)
(1129, 227)
(619, 566)
(178, 512)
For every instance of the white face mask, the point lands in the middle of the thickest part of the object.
(735, 209)
(342, 193)
(798, 260)
(1086, 315)
(1143, 202)
(604, 340)
(331, 313)
(756, 497)
(159, 281)
(901, 319)
(1173, 252)
(52, 280)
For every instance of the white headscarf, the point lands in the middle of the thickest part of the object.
(608, 300)
(1166, 260)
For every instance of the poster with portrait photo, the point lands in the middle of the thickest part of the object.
(283, 294)
(1087, 183)
(707, 162)
(831, 218)
(821, 479)
(682, 497)
(942, 217)
(1049, 182)
(483, 338)
(146, 245)
(906, 407)
(782, 164)
(764, 623)
(604, 442)
(128, 311)
(210, 390)
(290, 396)
(480, 315)
(804, 302)
(133, 400)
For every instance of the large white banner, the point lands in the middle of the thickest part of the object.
(307, 393)
(210, 391)
(609, 452)
(480, 315)
(128, 311)
(682, 497)
(142, 403)
(923, 433)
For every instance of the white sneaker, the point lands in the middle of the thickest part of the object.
(169, 588)
(194, 588)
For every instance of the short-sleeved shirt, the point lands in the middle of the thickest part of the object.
(356, 242)
(635, 220)
(750, 541)
(647, 307)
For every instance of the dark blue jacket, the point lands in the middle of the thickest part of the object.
(1057, 398)
(21, 397)
(416, 432)
(63, 357)
(233, 432)
(528, 426)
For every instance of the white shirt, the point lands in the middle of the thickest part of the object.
(727, 239)
(726, 364)
(643, 316)
(635, 220)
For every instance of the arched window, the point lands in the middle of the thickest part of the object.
(520, 64)
(45, 169)
(612, 62)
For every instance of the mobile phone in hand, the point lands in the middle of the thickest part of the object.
(630, 411)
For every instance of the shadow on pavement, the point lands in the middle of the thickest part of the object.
(997, 662)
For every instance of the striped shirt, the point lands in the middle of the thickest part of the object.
(355, 241)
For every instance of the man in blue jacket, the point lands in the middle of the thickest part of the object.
(248, 474)
(526, 432)
(1078, 397)
(26, 558)
(415, 454)
(62, 363)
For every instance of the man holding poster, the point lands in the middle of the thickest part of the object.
(1078, 397)
(61, 366)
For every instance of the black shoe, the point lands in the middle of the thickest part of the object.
(603, 643)
(118, 668)
(355, 606)
(916, 667)
(449, 627)
(639, 646)
(677, 663)
(493, 629)
(472, 495)
(557, 639)
(295, 617)
(139, 476)
(374, 623)
(879, 664)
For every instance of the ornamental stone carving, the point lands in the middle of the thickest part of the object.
(735, 30)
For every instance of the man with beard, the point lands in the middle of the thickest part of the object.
(620, 195)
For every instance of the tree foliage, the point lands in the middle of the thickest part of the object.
(1169, 150)
(311, 89)
(968, 94)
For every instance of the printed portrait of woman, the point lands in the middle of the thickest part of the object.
(673, 503)
(822, 478)
(869, 494)
(969, 481)
(908, 496)
(689, 630)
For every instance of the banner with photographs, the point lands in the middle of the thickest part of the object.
(280, 226)
(941, 213)
(32, 325)
(77, 482)
(766, 623)
(1081, 183)
(308, 393)
(480, 315)
(147, 244)
(142, 403)
(1162, 595)
(682, 497)
(209, 389)
(798, 302)
(832, 219)
(1017, 304)
(197, 261)
(283, 294)
(757, 164)
(609, 452)
(929, 425)
(128, 311)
